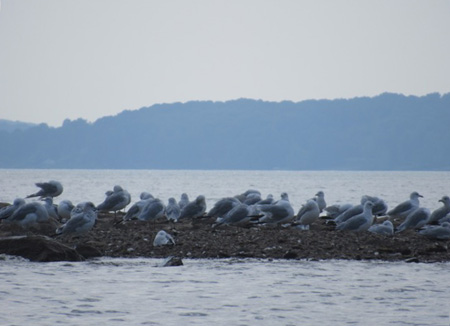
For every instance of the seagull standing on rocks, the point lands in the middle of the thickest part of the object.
(441, 212)
(194, 209)
(379, 205)
(320, 198)
(48, 189)
(51, 209)
(64, 209)
(81, 221)
(308, 214)
(335, 210)
(360, 222)
(153, 210)
(137, 207)
(278, 213)
(349, 213)
(238, 215)
(172, 210)
(223, 206)
(116, 201)
(184, 200)
(402, 210)
(415, 220)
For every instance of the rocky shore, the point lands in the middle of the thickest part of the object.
(197, 239)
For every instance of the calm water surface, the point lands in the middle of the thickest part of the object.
(226, 292)
(339, 186)
(223, 292)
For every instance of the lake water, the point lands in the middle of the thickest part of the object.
(226, 292)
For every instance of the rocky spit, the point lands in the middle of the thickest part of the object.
(197, 239)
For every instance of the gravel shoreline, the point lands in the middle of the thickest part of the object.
(197, 239)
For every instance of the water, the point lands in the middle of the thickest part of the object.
(339, 186)
(226, 292)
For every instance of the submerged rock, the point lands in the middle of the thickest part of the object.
(172, 261)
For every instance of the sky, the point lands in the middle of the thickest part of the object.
(88, 59)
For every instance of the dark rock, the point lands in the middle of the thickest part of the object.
(172, 261)
(38, 248)
(290, 255)
(88, 251)
(412, 260)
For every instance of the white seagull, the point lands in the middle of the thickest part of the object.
(172, 210)
(385, 228)
(415, 220)
(9, 210)
(360, 222)
(194, 209)
(403, 209)
(163, 238)
(278, 213)
(82, 220)
(442, 211)
(308, 213)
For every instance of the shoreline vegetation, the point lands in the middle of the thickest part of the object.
(197, 239)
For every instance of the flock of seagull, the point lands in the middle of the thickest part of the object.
(248, 208)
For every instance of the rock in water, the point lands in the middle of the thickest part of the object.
(38, 248)
(172, 261)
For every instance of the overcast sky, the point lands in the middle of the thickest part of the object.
(82, 58)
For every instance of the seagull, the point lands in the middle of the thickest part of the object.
(137, 207)
(48, 189)
(360, 222)
(403, 209)
(446, 218)
(223, 206)
(349, 213)
(163, 238)
(184, 200)
(278, 213)
(441, 212)
(385, 228)
(145, 195)
(116, 201)
(153, 210)
(242, 197)
(194, 209)
(269, 200)
(415, 220)
(252, 198)
(82, 220)
(28, 215)
(379, 205)
(9, 210)
(64, 208)
(51, 209)
(320, 198)
(308, 213)
(335, 210)
(436, 232)
(238, 215)
(172, 210)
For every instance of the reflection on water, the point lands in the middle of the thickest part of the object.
(224, 292)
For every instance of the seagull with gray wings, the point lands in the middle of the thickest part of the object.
(48, 189)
